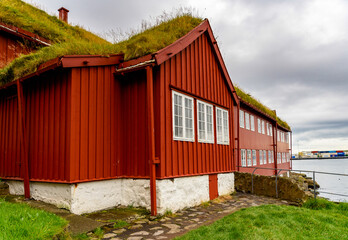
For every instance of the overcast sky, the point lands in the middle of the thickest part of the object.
(291, 55)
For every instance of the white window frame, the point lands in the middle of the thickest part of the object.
(269, 156)
(261, 157)
(225, 127)
(184, 137)
(241, 118)
(279, 160)
(205, 139)
(252, 122)
(267, 129)
(258, 125)
(243, 157)
(271, 130)
(264, 157)
(249, 163)
(263, 126)
(278, 137)
(247, 121)
(254, 157)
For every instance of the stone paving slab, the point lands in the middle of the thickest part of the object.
(189, 219)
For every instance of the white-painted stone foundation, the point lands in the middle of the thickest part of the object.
(172, 194)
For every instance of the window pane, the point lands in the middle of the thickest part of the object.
(247, 121)
(210, 135)
(188, 118)
(241, 118)
(252, 123)
(201, 121)
(226, 127)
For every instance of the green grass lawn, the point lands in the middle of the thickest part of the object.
(19, 221)
(315, 220)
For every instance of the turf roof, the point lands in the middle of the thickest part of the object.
(258, 105)
(69, 40)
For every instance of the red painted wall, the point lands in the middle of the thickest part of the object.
(195, 72)
(11, 47)
(254, 140)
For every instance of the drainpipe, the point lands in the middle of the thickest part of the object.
(276, 150)
(291, 150)
(23, 139)
(238, 137)
(151, 138)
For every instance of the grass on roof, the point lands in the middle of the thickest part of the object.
(156, 37)
(26, 16)
(257, 104)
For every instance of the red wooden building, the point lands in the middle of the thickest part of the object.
(161, 131)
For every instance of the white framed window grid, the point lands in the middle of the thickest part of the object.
(252, 123)
(243, 157)
(205, 122)
(247, 121)
(249, 157)
(254, 157)
(222, 132)
(261, 157)
(263, 126)
(259, 125)
(267, 128)
(183, 117)
(241, 118)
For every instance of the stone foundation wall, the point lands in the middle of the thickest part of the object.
(288, 187)
(172, 194)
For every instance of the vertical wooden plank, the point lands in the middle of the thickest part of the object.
(92, 124)
(84, 113)
(75, 130)
(100, 125)
(107, 122)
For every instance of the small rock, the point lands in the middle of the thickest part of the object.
(156, 228)
(109, 235)
(159, 232)
(136, 226)
(190, 226)
(119, 231)
(142, 233)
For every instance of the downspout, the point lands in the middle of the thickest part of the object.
(276, 150)
(151, 138)
(275, 142)
(291, 150)
(238, 137)
(23, 139)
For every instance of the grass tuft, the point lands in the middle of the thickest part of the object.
(19, 221)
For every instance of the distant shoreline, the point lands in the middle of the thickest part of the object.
(326, 158)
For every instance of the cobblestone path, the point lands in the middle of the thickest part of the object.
(188, 219)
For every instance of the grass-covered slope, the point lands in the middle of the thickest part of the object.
(279, 222)
(27, 17)
(68, 40)
(257, 104)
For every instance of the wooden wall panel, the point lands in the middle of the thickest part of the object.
(11, 47)
(194, 71)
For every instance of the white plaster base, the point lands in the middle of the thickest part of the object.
(172, 194)
(225, 183)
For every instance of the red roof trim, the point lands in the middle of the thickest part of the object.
(70, 61)
(21, 33)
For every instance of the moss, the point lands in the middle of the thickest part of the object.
(69, 40)
(246, 97)
(26, 16)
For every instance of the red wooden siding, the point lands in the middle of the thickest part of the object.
(133, 126)
(9, 137)
(47, 100)
(91, 128)
(10, 48)
(194, 71)
(213, 186)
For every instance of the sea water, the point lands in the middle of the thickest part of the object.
(328, 183)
